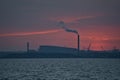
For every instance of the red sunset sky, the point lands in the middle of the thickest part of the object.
(36, 21)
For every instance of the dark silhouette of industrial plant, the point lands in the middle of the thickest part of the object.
(48, 51)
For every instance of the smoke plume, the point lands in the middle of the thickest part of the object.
(63, 25)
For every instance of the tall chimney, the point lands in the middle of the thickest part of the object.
(27, 47)
(78, 43)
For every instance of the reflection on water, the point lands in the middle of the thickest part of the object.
(59, 69)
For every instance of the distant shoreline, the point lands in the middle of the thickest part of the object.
(16, 55)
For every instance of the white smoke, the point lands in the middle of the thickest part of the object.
(63, 25)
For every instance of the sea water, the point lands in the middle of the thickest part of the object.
(60, 69)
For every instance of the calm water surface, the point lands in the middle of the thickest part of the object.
(59, 69)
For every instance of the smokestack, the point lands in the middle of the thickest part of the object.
(63, 25)
(27, 47)
(78, 43)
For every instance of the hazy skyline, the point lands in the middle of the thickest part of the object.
(36, 21)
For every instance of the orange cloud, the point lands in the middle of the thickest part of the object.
(29, 33)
